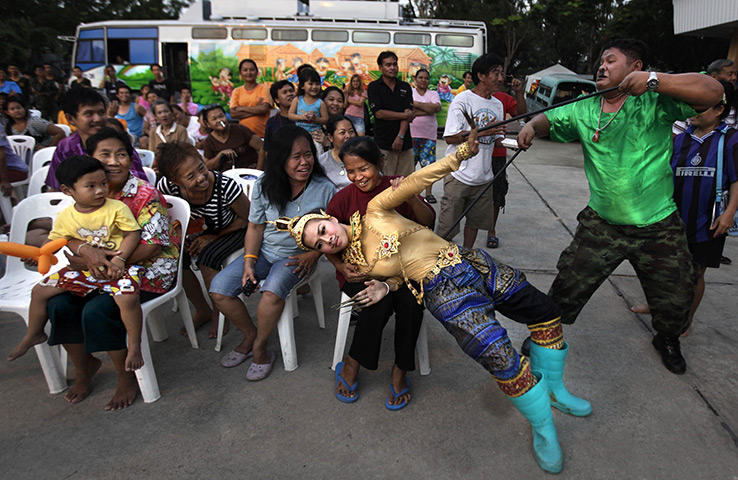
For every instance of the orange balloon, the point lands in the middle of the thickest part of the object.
(44, 264)
(19, 250)
(52, 247)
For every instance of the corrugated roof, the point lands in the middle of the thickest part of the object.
(714, 18)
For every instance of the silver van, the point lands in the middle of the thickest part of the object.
(557, 88)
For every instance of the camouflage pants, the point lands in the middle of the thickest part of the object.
(658, 253)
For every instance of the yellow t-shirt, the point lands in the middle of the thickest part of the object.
(102, 228)
(251, 98)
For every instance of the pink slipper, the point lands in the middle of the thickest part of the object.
(259, 371)
(234, 358)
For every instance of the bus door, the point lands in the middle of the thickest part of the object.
(176, 63)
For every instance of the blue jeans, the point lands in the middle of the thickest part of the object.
(278, 278)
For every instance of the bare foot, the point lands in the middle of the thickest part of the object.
(82, 384)
(26, 343)
(134, 359)
(640, 309)
(349, 373)
(126, 392)
(399, 383)
(213, 330)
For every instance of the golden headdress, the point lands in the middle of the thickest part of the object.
(296, 225)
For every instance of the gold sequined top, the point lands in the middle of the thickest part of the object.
(388, 246)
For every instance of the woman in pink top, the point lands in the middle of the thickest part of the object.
(355, 98)
(424, 129)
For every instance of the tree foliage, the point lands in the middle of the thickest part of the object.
(30, 27)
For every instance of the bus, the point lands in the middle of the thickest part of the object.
(339, 38)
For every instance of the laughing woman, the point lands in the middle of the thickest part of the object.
(462, 288)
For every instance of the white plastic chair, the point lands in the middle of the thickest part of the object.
(246, 177)
(147, 157)
(179, 211)
(42, 158)
(344, 319)
(66, 128)
(16, 285)
(150, 175)
(286, 326)
(38, 180)
(23, 146)
(34, 113)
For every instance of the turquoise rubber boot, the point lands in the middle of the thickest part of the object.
(551, 363)
(536, 408)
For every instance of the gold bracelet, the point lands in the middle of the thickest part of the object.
(463, 152)
(248, 255)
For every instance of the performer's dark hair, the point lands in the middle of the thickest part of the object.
(364, 147)
(729, 98)
(718, 65)
(385, 54)
(275, 184)
(632, 48)
(484, 65)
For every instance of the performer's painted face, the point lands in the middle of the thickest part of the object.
(614, 67)
(325, 235)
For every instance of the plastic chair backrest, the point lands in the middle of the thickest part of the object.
(150, 175)
(179, 211)
(23, 146)
(246, 177)
(38, 180)
(147, 157)
(38, 206)
(42, 158)
(34, 113)
(66, 128)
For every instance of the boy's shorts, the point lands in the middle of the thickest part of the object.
(81, 282)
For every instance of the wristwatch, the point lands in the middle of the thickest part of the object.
(653, 81)
(402, 137)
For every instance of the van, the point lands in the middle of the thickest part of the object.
(553, 89)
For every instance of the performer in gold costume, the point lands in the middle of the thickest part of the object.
(462, 288)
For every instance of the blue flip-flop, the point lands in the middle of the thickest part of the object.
(350, 388)
(396, 396)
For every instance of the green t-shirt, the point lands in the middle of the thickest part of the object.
(630, 178)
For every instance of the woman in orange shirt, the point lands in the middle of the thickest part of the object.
(250, 103)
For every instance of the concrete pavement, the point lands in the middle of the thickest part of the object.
(210, 422)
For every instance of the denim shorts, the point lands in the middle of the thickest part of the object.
(277, 278)
(358, 123)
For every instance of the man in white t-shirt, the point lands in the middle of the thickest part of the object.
(462, 186)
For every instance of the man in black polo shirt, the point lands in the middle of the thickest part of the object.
(162, 86)
(111, 82)
(391, 101)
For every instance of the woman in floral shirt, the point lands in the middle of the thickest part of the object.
(84, 325)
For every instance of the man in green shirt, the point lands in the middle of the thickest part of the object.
(631, 214)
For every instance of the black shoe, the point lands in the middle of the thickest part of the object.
(525, 348)
(725, 260)
(670, 353)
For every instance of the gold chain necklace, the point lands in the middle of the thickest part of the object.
(596, 135)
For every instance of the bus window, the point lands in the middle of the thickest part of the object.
(412, 39)
(291, 35)
(248, 33)
(371, 37)
(330, 36)
(217, 33)
(446, 40)
(91, 51)
(132, 45)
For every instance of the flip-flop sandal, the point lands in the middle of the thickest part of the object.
(259, 371)
(350, 388)
(234, 358)
(493, 242)
(396, 396)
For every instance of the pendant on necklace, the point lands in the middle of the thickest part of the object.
(596, 136)
(342, 172)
